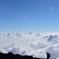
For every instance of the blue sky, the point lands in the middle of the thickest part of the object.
(29, 15)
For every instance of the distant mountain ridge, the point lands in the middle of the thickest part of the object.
(10, 55)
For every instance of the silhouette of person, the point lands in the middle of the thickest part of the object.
(48, 55)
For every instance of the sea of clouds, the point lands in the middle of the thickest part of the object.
(30, 43)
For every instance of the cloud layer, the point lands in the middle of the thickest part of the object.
(35, 44)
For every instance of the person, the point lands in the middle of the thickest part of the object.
(48, 55)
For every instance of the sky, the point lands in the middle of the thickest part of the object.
(29, 15)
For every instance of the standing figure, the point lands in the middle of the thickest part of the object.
(48, 55)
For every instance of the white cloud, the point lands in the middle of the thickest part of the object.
(51, 37)
(54, 51)
(35, 44)
(51, 7)
(37, 35)
(15, 50)
(23, 52)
